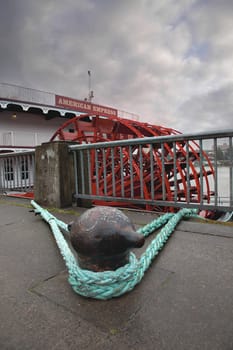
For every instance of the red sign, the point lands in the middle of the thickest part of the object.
(84, 106)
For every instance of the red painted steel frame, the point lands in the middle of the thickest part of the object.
(94, 128)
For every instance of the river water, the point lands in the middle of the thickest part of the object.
(223, 180)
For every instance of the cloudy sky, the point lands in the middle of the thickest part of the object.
(169, 61)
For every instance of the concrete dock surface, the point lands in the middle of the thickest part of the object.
(185, 300)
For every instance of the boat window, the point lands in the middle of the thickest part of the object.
(8, 167)
(24, 169)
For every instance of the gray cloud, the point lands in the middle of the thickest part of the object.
(168, 61)
(213, 110)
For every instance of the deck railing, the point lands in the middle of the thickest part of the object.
(28, 95)
(17, 171)
(20, 93)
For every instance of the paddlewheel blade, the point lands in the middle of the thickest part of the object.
(186, 157)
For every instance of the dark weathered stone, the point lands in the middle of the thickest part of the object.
(103, 237)
(54, 174)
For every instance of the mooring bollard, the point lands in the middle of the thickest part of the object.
(102, 238)
(109, 249)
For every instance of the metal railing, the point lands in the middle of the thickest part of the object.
(20, 93)
(17, 171)
(186, 170)
(28, 95)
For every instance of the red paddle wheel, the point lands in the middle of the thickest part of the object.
(93, 128)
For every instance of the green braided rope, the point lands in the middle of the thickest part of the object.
(109, 284)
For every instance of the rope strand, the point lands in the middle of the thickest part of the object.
(109, 284)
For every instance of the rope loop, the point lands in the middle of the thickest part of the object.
(108, 284)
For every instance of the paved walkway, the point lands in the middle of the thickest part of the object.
(185, 300)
